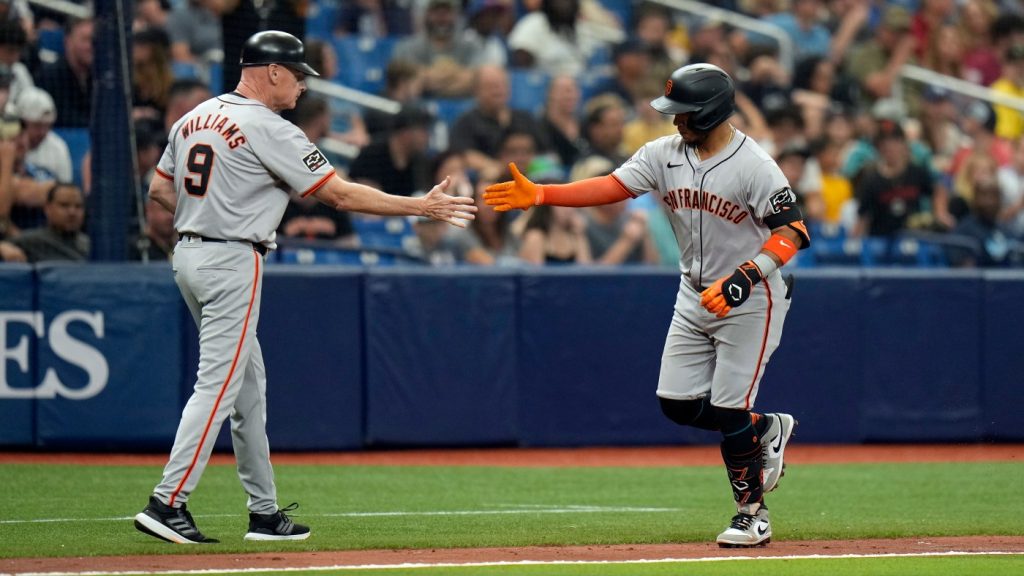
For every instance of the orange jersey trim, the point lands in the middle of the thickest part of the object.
(589, 192)
(319, 183)
(224, 386)
(764, 345)
(163, 174)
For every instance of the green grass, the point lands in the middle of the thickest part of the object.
(814, 502)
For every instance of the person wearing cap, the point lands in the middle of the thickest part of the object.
(488, 23)
(46, 150)
(1010, 121)
(894, 193)
(632, 61)
(876, 63)
(397, 163)
(446, 56)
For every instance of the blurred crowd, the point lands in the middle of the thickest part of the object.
(561, 88)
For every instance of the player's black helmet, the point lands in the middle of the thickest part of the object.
(274, 47)
(705, 90)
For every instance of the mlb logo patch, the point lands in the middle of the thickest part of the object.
(781, 198)
(314, 160)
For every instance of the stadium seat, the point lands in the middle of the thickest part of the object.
(622, 9)
(52, 40)
(342, 256)
(320, 18)
(78, 143)
(382, 232)
(362, 61)
(528, 90)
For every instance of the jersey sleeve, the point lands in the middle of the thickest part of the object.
(770, 192)
(638, 174)
(289, 155)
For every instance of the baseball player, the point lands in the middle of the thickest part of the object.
(737, 222)
(226, 175)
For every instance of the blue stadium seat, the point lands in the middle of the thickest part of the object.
(341, 256)
(362, 61)
(184, 69)
(78, 143)
(217, 77)
(528, 90)
(382, 232)
(448, 110)
(51, 39)
(320, 18)
(622, 9)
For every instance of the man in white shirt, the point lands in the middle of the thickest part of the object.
(46, 150)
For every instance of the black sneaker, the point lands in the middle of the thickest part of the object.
(276, 526)
(170, 524)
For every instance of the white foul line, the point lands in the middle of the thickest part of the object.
(525, 509)
(526, 563)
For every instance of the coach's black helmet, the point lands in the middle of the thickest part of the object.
(704, 90)
(274, 47)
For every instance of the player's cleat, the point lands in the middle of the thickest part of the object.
(276, 526)
(747, 530)
(773, 444)
(170, 524)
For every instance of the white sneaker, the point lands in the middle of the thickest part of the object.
(747, 530)
(773, 445)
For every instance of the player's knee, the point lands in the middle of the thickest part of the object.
(683, 412)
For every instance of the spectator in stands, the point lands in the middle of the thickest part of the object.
(973, 168)
(553, 39)
(603, 128)
(632, 62)
(1011, 185)
(555, 235)
(982, 230)
(150, 14)
(29, 185)
(978, 122)
(939, 131)
(19, 11)
(559, 124)
(46, 150)
(786, 126)
(374, 18)
(648, 124)
(1010, 121)
(488, 25)
(159, 237)
(802, 25)
(876, 63)
(477, 132)
(813, 92)
(307, 218)
(836, 189)
(12, 44)
(804, 177)
(980, 60)
(194, 30)
(894, 193)
(494, 230)
(320, 56)
(616, 235)
(62, 238)
(446, 56)
(767, 84)
(403, 83)
(397, 164)
(151, 73)
(240, 19)
(945, 51)
(183, 95)
(653, 27)
(69, 79)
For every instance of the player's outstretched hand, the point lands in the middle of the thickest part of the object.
(519, 193)
(731, 291)
(455, 210)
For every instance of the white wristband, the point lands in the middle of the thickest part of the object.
(766, 264)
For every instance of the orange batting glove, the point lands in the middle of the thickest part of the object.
(519, 193)
(713, 301)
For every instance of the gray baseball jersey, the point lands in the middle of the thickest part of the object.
(717, 208)
(237, 160)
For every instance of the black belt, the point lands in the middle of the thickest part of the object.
(257, 247)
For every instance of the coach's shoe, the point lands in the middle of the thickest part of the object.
(170, 524)
(276, 526)
(773, 444)
(747, 530)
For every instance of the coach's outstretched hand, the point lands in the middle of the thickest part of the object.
(519, 193)
(731, 291)
(455, 210)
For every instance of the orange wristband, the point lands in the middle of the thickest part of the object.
(781, 246)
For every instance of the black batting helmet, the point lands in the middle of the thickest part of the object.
(704, 90)
(274, 47)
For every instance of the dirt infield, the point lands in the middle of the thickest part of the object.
(675, 456)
